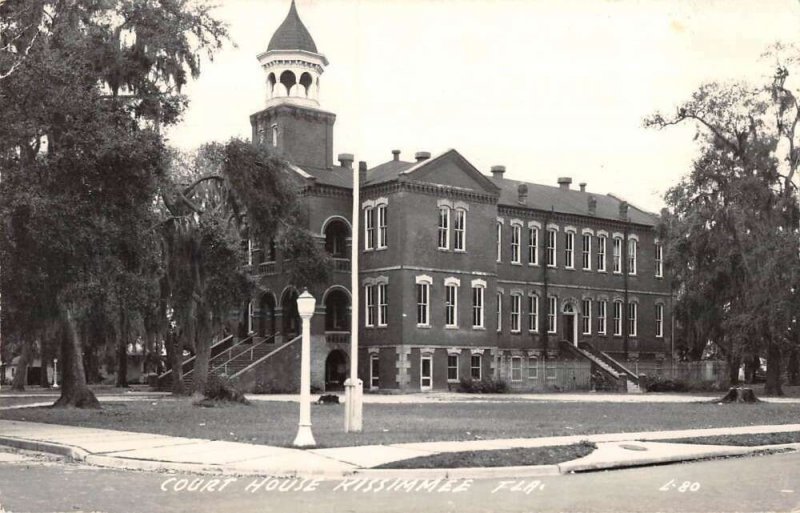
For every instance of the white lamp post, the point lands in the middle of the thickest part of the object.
(55, 372)
(305, 307)
(353, 387)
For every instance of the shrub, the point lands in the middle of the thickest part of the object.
(221, 388)
(661, 384)
(484, 386)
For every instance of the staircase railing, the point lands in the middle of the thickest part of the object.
(227, 354)
(250, 353)
(611, 362)
(604, 368)
(188, 365)
(267, 356)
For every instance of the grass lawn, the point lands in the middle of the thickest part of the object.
(749, 440)
(14, 401)
(275, 423)
(498, 458)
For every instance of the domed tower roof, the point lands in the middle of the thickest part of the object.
(292, 34)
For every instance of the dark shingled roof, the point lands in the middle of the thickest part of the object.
(292, 34)
(336, 176)
(387, 171)
(543, 197)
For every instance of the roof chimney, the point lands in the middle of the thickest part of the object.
(422, 155)
(623, 210)
(346, 160)
(592, 205)
(564, 182)
(362, 171)
(583, 186)
(497, 171)
(522, 191)
(396, 154)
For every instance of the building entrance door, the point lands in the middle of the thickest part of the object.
(426, 372)
(569, 329)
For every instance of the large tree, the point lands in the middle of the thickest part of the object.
(732, 223)
(81, 155)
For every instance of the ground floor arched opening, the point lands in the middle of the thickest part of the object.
(335, 370)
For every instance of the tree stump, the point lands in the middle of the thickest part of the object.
(739, 395)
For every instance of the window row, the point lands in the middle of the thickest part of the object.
(531, 368)
(450, 304)
(452, 227)
(375, 224)
(588, 240)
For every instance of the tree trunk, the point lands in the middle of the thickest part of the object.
(793, 367)
(122, 349)
(734, 362)
(773, 385)
(175, 355)
(74, 391)
(21, 377)
(203, 350)
(751, 364)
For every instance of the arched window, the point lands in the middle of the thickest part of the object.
(306, 81)
(271, 81)
(288, 80)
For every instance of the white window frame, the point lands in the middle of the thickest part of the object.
(381, 215)
(499, 236)
(472, 367)
(602, 245)
(370, 311)
(569, 249)
(586, 251)
(616, 254)
(633, 245)
(633, 318)
(602, 317)
(551, 248)
(250, 313)
(369, 228)
(274, 135)
(516, 313)
(552, 313)
(383, 305)
(617, 317)
(423, 284)
(452, 367)
(659, 259)
(423, 357)
(586, 317)
(533, 365)
(451, 285)
(516, 235)
(374, 378)
(533, 313)
(533, 245)
(444, 228)
(478, 302)
(516, 369)
(460, 230)
(499, 312)
(659, 320)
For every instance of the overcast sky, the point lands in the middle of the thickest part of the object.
(547, 88)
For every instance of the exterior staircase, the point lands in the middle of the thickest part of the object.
(599, 364)
(165, 380)
(632, 378)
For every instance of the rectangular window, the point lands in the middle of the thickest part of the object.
(533, 368)
(632, 256)
(551, 248)
(533, 243)
(444, 228)
(617, 255)
(587, 252)
(516, 368)
(499, 312)
(382, 226)
(550, 369)
(601, 254)
(618, 318)
(274, 135)
(516, 306)
(450, 306)
(423, 303)
(426, 372)
(250, 314)
(587, 317)
(601, 317)
(369, 292)
(515, 250)
(659, 261)
(475, 367)
(369, 228)
(533, 314)
(460, 230)
(632, 319)
(499, 242)
(552, 306)
(382, 305)
(477, 307)
(452, 367)
(374, 371)
(660, 321)
(569, 250)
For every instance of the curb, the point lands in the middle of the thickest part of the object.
(462, 473)
(72, 453)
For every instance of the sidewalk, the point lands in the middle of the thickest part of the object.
(140, 451)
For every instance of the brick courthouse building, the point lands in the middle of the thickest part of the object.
(464, 274)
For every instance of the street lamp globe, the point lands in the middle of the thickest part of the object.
(306, 304)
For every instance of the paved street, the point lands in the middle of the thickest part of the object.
(763, 483)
